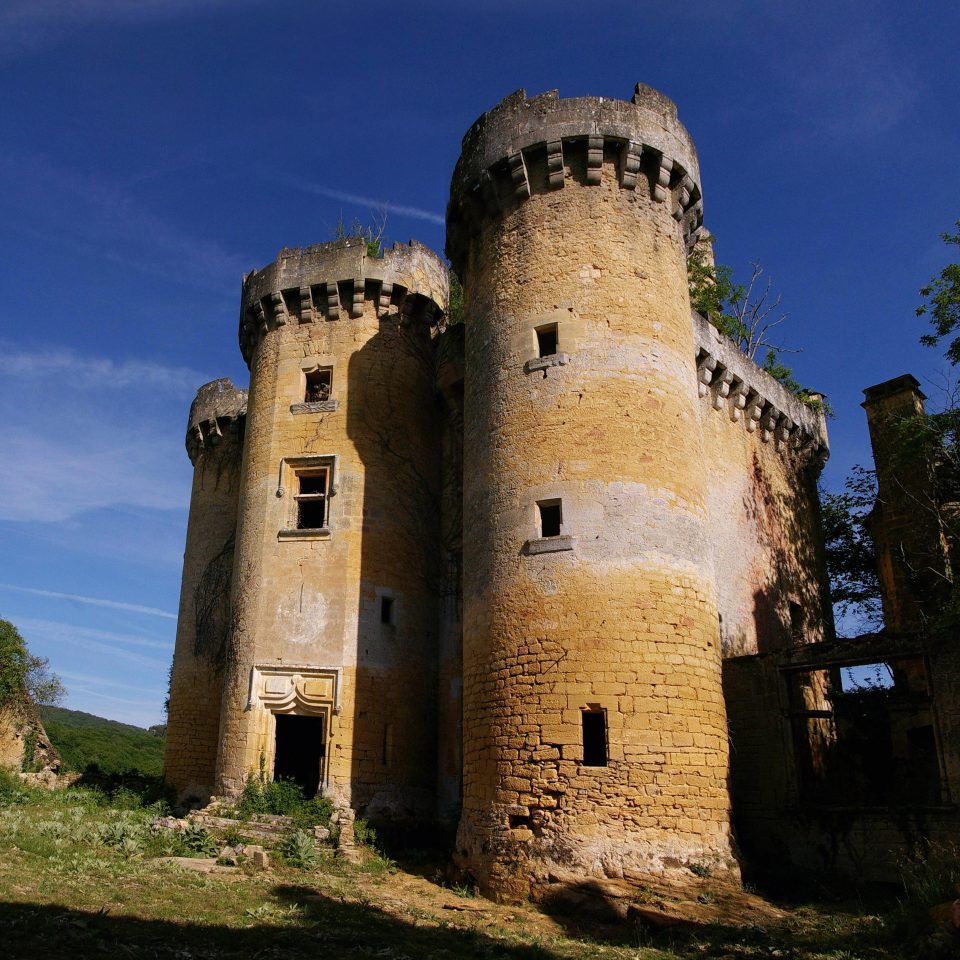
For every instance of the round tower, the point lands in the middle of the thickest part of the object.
(214, 445)
(594, 723)
(331, 675)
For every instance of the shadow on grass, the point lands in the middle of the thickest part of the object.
(584, 911)
(322, 927)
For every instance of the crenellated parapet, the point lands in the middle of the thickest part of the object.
(735, 385)
(216, 414)
(526, 146)
(330, 281)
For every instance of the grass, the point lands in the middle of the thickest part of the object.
(79, 878)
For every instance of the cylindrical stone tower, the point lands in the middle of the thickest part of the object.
(214, 444)
(594, 724)
(331, 674)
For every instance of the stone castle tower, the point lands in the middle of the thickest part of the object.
(488, 572)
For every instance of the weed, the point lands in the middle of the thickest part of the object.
(363, 833)
(299, 849)
(198, 841)
(698, 869)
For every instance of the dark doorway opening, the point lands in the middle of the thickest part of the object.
(299, 751)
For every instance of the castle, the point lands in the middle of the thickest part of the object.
(526, 574)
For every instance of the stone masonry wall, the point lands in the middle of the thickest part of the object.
(215, 444)
(619, 613)
(307, 604)
(763, 451)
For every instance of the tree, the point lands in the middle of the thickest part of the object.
(942, 296)
(22, 675)
(849, 548)
(746, 313)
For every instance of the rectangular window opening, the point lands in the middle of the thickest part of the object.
(312, 493)
(386, 609)
(547, 340)
(864, 734)
(387, 754)
(319, 385)
(551, 517)
(594, 738)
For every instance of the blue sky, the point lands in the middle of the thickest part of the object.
(151, 151)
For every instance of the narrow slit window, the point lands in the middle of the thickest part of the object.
(387, 753)
(319, 385)
(551, 518)
(386, 609)
(594, 738)
(547, 340)
(312, 495)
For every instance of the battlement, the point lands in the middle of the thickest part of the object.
(318, 282)
(526, 146)
(736, 384)
(217, 407)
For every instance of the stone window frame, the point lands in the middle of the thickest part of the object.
(601, 710)
(291, 469)
(329, 405)
(567, 327)
(556, 543)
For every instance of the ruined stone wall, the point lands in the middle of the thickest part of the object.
(763, 451)
(308, 636)
(906, 522)
(214, 444)
(450, 649)
(577, 213)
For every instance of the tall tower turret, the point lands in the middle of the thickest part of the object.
(331, 674)
(214, 445)
(594, 724)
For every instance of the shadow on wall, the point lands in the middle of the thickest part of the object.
(393, 421)
(792, 607)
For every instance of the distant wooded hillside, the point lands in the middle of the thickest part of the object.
(84, 739)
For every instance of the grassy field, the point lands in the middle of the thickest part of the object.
(83, 739)
(79, 878)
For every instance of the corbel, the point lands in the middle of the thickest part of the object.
(356, 305)
(632, 152)
(518, 175)
(662, 187)
(383, 301)
(333, 299)
(307, 312)
(706, 364)
(277, 308)
(594, 159)
(555, 164)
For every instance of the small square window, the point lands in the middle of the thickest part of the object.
(546, 340)
(313, 491)
(319, 385)
(551, 517)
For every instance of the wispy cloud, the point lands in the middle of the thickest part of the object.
(115, 445)
(99, 681)
(108, 220)
(27, 25)
(96, 372)
(96, 641)
(401, 210)
(54, 628)
(93, 602)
